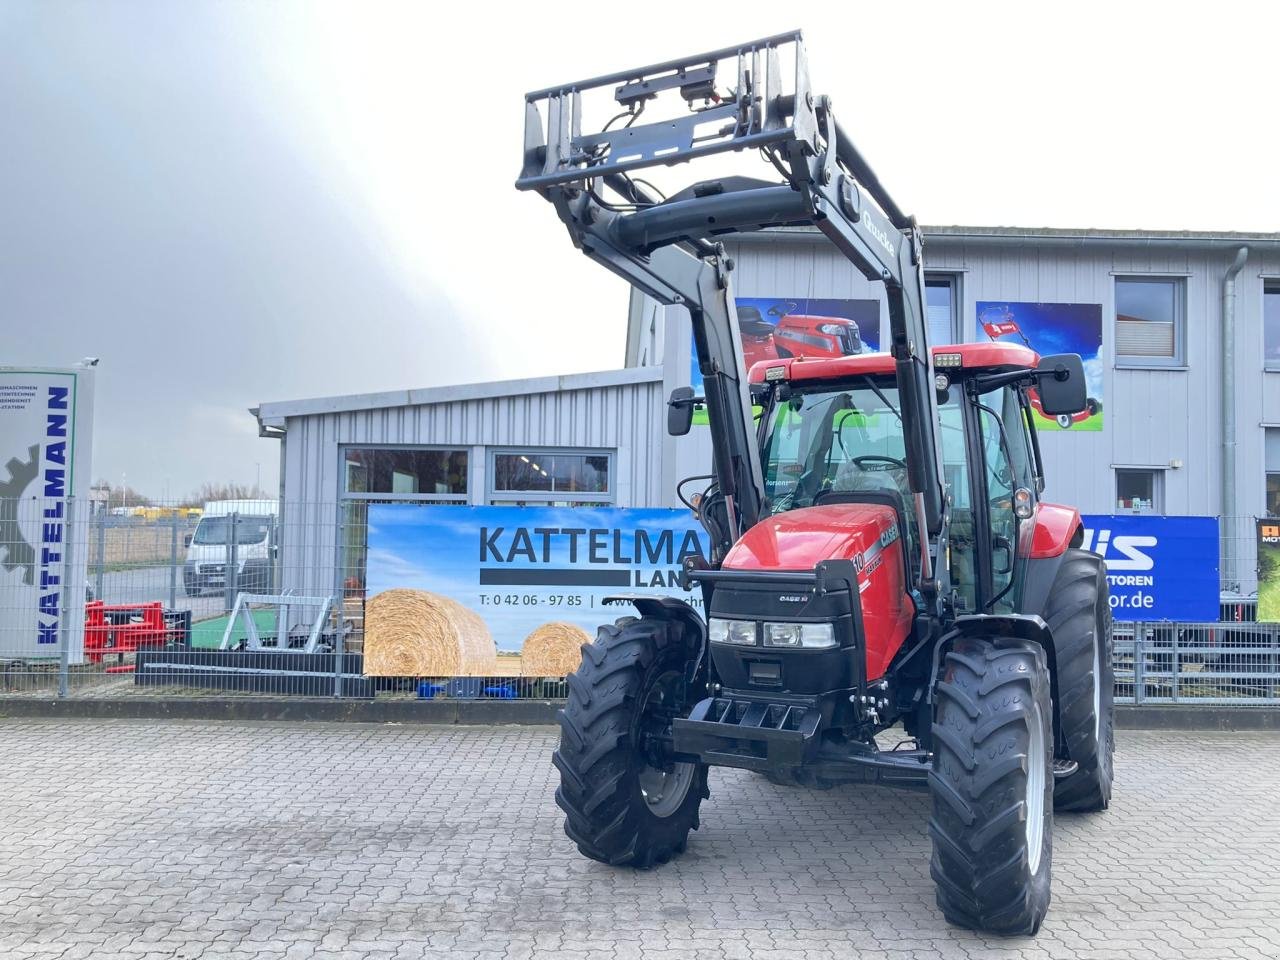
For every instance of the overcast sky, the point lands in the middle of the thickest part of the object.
(231, 203)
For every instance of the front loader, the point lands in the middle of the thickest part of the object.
(881, 554)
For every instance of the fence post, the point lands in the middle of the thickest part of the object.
(68, 547)
(98, 584)
(339, 593)
(231, 572)
(173, 562)
(1139, 663)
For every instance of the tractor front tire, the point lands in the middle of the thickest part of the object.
(992, 786)
(1079, 615)
(623, 805)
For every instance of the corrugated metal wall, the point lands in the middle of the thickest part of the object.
(628, 419)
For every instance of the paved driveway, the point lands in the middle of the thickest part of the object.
(139, 839)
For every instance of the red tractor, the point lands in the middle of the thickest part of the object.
(804, 335)
(797, 335)
(881, 552)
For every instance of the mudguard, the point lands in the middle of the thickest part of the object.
(1020, 625)
(667, 608)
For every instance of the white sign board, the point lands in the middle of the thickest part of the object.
(46, 435)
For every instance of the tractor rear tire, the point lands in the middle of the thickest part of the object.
(992, 786)
(620, 808)
(1079, 614)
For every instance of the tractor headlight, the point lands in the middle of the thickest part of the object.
(809, 636)
(741, 632)
(834, 329)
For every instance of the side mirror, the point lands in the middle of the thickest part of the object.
(186, 540)
(1060, 382)
(680, 411)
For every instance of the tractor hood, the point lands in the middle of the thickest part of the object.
(800, 539)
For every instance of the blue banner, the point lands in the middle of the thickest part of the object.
(519, 568)
(1158, 568)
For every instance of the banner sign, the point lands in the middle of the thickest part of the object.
(46, 426)
(520, 568)
(1053, 328)
(774, 328)
(1269, 570)
(1158, 568)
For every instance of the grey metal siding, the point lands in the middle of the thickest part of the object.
(626, 418)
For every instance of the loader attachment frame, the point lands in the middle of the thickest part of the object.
(668, 247)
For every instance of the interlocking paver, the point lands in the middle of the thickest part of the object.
(311, 841)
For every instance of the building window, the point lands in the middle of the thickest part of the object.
(550, 477)
(942, 308)
(1271, 324)
(405, 473)
(1139, 491)
(1149, 321)
(1272, 466)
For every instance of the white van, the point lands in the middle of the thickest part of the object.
(254, 523)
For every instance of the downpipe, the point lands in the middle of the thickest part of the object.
(1229, 509)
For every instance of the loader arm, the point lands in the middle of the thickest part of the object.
(738, 98)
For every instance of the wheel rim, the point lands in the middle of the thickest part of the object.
(1035, 790)
(663, 788)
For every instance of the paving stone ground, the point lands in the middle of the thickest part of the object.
(140, 840)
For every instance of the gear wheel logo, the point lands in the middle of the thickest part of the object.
(17, 552)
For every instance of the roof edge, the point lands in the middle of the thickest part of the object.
(274, 414)
(1056, 235)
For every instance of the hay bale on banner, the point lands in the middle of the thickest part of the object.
(412, 633)
(553, 650)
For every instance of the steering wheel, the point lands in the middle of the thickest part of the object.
(877, 458)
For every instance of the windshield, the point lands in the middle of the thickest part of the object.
(823, 442)
(827, 441)
(214, 531)
(850, 342)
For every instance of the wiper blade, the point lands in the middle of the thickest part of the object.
(883, 399)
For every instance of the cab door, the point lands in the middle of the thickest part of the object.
(1003, 465)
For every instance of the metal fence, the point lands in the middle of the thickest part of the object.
(95, 603)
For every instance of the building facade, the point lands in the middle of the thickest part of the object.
(1185, 375)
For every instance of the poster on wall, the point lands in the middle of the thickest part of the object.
(526, 582)
(1053, 328)
(46, 429)
(1158, 568)
(1269, 570)
(780, 327)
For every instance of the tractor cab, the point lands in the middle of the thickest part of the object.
(831, 432)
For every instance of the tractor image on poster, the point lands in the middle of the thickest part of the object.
(882, 554)
(817, 337)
